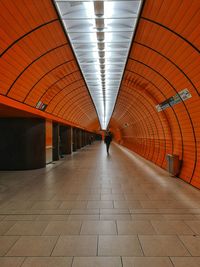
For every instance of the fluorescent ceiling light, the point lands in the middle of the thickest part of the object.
(101, 33)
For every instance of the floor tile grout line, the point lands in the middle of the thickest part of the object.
(121, 261)
(97, 246)
(171, 261)
(140, 245)
(58, 237)
(194, 233)
(155, 230)
(184, 244)
(5, 254)
(116, 227)
(72, 261)
(81, 227)
(23, 261)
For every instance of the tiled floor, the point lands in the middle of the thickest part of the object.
(91, 210)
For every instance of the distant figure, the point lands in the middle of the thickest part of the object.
(108, 140)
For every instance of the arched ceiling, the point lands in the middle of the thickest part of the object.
(39, 72)
(164, 60)
(40, 75)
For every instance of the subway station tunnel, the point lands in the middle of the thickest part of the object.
(69, 71)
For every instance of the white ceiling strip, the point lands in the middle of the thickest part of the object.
(100, 33)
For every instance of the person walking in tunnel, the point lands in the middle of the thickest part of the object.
(108, 140)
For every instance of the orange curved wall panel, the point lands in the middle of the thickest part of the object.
(164, 60)
(38, 67)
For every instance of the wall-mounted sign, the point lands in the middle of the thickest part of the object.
(181, 96)
(126, 125)
(41, 106)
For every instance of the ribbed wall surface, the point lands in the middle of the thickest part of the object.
(37, 63)
(164, 60)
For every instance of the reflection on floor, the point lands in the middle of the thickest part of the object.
(92, 210)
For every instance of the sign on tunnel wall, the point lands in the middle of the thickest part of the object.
(40, 105)
(181, 96)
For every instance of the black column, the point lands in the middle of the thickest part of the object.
(22, 143)
(66, 139)
(74, 145)
(55, 141)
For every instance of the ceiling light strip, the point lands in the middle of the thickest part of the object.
(101, 33)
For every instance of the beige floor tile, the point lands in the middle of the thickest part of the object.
(106, 191)
(171, 227)
(54, 212)
(85, 212)
(27, 228)
(146, 262)
(5, 226)
(103, 204)
(192, 243)
(63, 228)
(135, 227)
(149, 217)
(114, 211)
(186, 261)
(98, 228)
(118, 204)
(65, 196)
(33, 246)
(20, 205)
(89, 197)
(113, 217)
(136, 197)
(73, 205)
(76, 246)
(162, 196)
(144, 211)
(194, 225)
(117, 191)
(119, 246)
(162, 245)
(83, 217)
(20, 217)
(21, 212)
(2, 217)
(69, 191)
(11, 261)
(178, 211)
(177, 217)
(46, 217)
(97, 262)
(46, 205)
(155, 204)
(112, 197)
(6, 242)
(181, 204)
(48, 262)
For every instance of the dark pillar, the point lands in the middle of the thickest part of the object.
(74, 139)
(55, 141)
(83, 139)
(87, 138)
(78, 138)
(22, 143)
(49, 141)
(66, 139)
(69, 140)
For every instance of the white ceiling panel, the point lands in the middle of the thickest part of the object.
(100, 33)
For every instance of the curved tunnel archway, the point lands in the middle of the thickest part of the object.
(38, 65)
(163, 60)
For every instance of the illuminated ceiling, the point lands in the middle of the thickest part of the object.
(100, 33)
